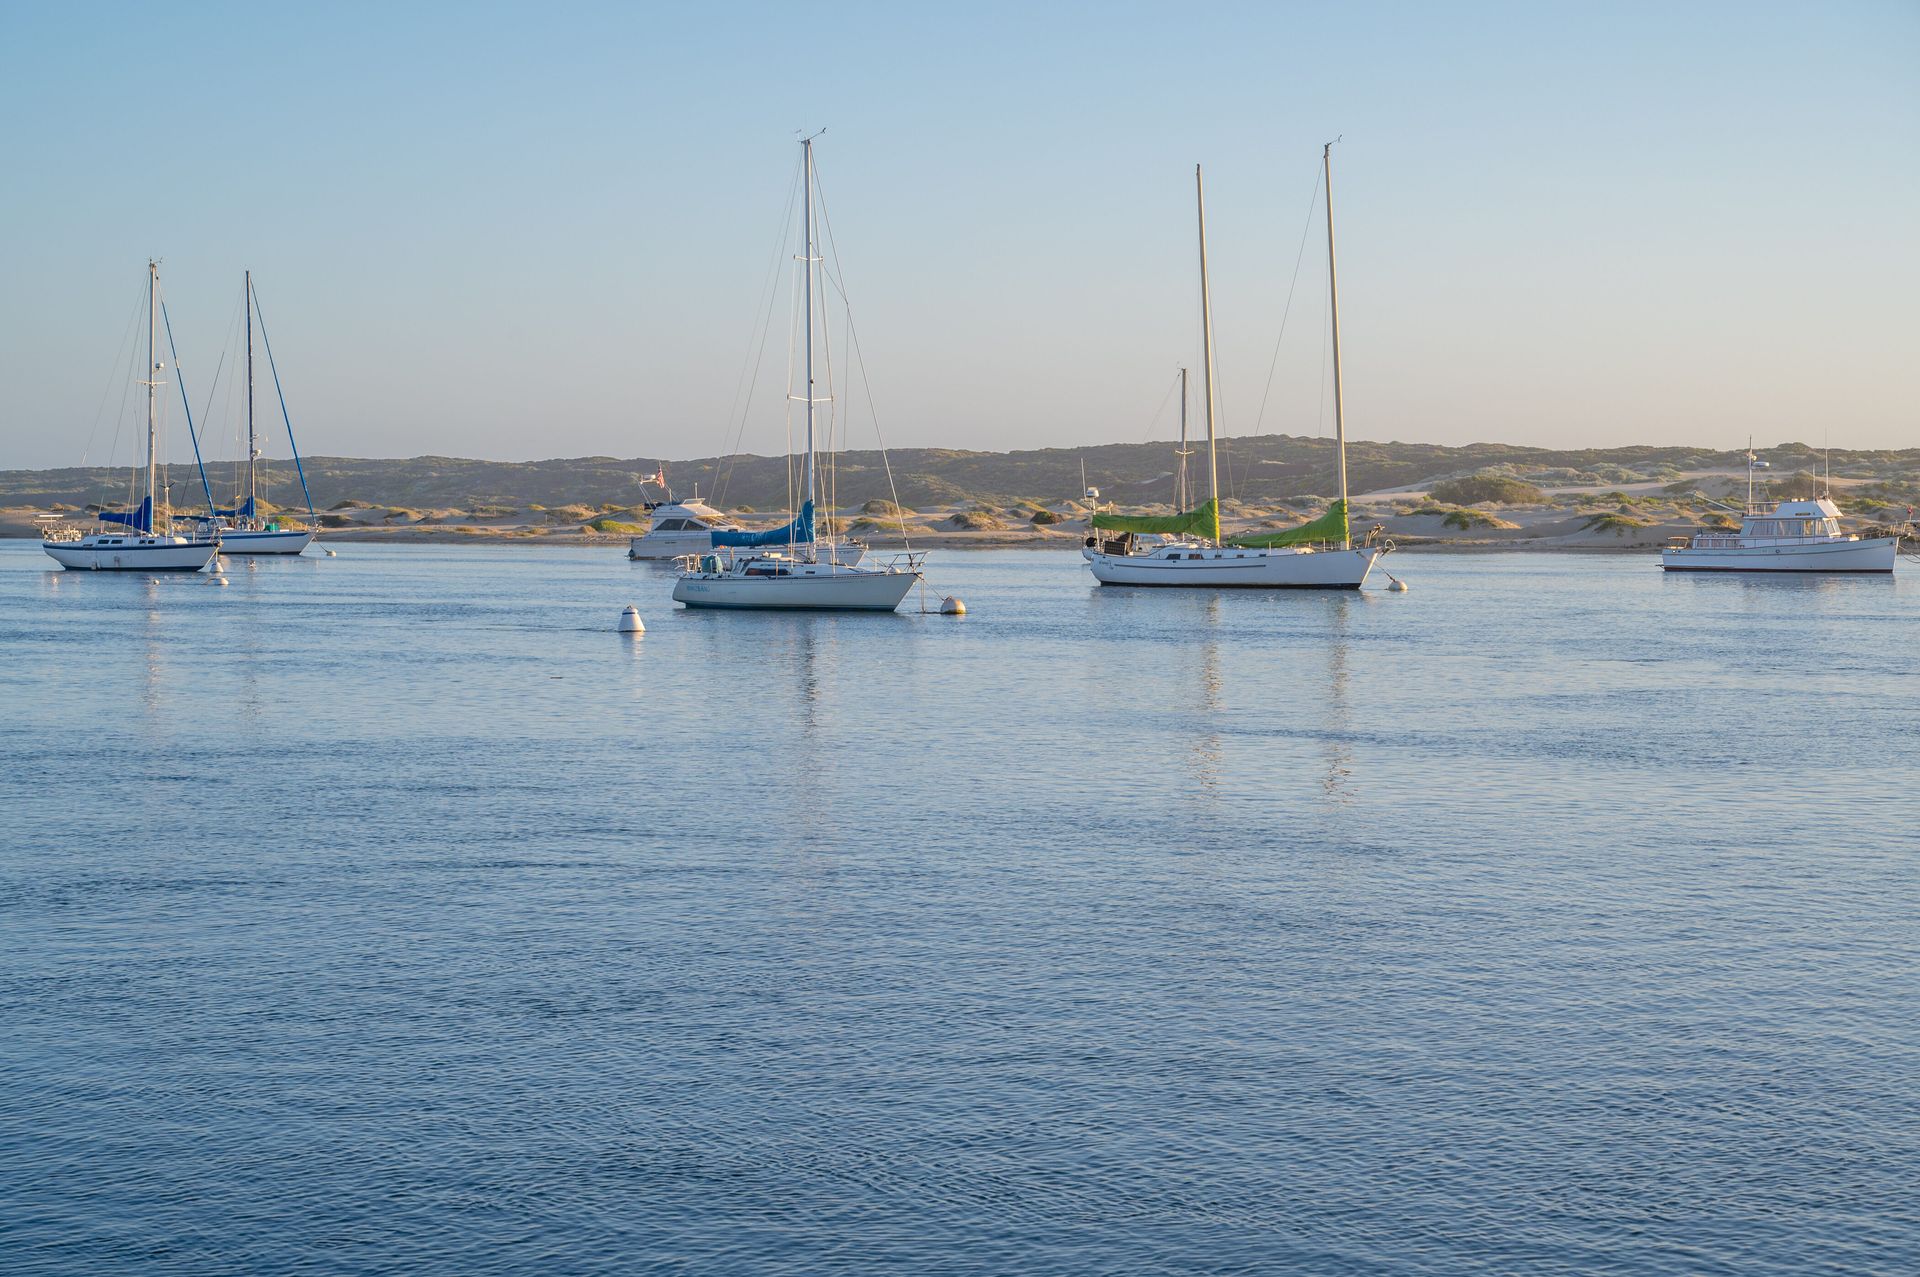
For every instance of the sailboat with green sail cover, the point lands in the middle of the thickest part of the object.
(1316, 555)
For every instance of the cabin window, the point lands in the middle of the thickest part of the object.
(671, 525)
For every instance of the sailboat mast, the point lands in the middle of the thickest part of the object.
(1180, 497)
(806, 235)
(253, 442)
(1333, 311)
(1206, 350)
(153, 387)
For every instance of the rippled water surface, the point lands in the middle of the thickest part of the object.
(392, 913)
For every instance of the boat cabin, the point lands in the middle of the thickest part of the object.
(1792, 521)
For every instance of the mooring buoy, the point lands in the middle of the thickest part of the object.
(630, 622)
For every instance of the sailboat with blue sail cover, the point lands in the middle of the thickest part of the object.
(792, 567)
(244, 530)
(139, 539)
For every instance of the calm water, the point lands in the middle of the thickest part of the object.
(393, 914)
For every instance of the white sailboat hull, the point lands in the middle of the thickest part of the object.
(1874, 555)
(829, 591)
(1283, 569)
(251, 543)
(98, 554)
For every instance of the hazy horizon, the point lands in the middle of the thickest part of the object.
(520, 236)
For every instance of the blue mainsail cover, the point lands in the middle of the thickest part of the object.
(140, 520)
(799, 532)
(242, 511)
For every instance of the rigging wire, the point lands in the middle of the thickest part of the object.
(186, 409)
(1299, 256)
(1161, 410)
(286, 418)
(124, 356)
(104, 489)
(1286, 312)
(737, 415)
(838, 279)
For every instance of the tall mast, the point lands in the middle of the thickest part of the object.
(253, 442)
(1333, 310)
(806, 234)
(153, 387)
(1180, 484)
(1206, 349)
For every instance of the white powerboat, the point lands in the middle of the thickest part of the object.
(130, 541)
(677, 529)
(791, 567)
(1794, 536)
(1319, 555)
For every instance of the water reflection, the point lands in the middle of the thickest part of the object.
(1204, 755)
(1337, 733)
(153, 643)
(1792, 584)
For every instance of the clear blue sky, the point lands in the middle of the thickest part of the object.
(531, 231)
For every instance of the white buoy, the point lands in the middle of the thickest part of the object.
(630, 622)
(951, 606)
(332, 555)
(1398, 586)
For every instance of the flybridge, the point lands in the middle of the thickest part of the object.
(1795, 536)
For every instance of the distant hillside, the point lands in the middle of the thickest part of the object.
(1268, 468)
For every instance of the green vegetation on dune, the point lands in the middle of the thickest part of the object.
(1261, 472)
(1467, 520)
(1487, 489)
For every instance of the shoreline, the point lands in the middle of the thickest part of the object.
(949, 541)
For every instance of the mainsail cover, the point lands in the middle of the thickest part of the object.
(1331, 526)
(244, 510)
(140, 520)
(1201, 521)
(799, 532)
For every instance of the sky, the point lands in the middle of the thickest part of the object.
(529, 231)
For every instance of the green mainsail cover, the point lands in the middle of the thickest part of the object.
(1331, 526)
(1202, 521)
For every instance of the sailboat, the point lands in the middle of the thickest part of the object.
(242, 529)
(791, 567)
(1317, 555)
(140, 539)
